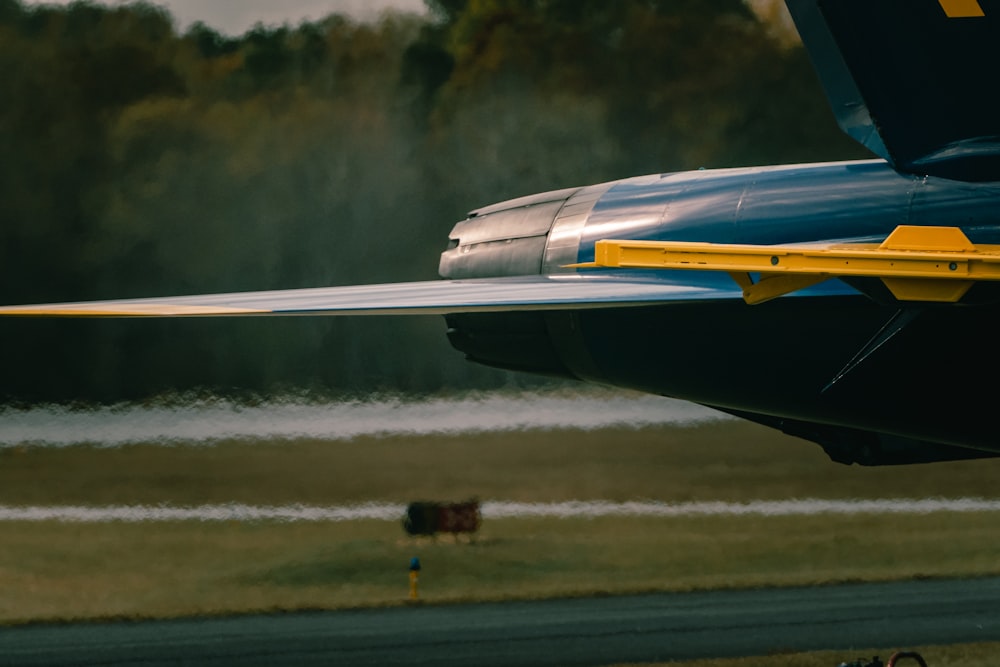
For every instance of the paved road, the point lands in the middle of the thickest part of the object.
(559, 632)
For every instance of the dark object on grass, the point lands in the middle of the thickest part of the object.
(430, 518)
(899, 655)
(893, 660)
(862, 663)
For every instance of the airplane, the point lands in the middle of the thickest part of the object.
(852, 304)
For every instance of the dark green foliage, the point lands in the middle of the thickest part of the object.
(267, 56)
(210, 44)
(136, 161)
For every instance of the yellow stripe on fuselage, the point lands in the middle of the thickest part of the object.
(961, 9)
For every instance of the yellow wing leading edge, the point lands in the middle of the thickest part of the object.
(117, 309)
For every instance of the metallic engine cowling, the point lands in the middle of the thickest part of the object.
(506, 239)
(526, 236)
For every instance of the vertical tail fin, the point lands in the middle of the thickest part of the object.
(912, 80)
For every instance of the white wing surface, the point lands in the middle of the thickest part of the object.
(436, 297)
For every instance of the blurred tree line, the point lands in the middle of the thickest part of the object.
(136, 160)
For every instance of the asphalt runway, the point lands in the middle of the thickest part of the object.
(595, 631)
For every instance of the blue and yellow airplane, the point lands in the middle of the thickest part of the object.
(853, 304)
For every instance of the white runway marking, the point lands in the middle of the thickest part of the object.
(211, 421)
(496, 510)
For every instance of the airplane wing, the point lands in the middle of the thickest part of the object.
(906, 79)
(437, 297)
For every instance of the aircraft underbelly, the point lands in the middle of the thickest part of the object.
(776, 359)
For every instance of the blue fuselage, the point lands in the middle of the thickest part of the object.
(789, 204)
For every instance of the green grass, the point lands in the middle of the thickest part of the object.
(719, 461)
(75, 571)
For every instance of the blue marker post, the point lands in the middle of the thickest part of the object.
(414, 577)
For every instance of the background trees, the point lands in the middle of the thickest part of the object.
(138, 161)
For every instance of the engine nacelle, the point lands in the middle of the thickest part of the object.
(526, 236)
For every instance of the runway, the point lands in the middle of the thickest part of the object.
(593, 631)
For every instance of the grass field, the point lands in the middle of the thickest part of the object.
(51, 570)
(726, 460)
(59, 571)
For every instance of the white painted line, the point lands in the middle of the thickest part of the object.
(796, 507)
(207, 422)
(494, 510)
